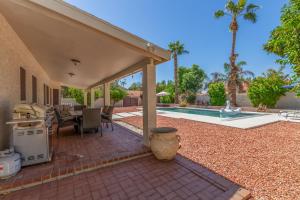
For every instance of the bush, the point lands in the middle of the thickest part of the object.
(217, 95)
(191, 98)
(266, 91)
(166, 99)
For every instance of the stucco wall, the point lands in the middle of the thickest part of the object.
(289, 101)
(243, 100)
(13, 55)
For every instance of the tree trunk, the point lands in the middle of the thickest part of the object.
(232, 82)
(176, 78)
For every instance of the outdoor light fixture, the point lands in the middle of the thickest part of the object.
(150, 47)
(71, 74)
(75, 62)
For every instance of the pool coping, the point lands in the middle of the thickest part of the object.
(258, 120)
(257, 114)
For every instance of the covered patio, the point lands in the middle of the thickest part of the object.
(74, 48)
(79, 50)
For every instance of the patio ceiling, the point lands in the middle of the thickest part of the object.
(56, 32)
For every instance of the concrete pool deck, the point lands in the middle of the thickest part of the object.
(242, 123)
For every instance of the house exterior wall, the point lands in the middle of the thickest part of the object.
(13, 55)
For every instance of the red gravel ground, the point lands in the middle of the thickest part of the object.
(265, 160)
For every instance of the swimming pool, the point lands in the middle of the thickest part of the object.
(205, 112)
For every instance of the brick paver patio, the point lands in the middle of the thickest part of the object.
(144, 178)
(73, 155)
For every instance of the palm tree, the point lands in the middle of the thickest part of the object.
(241, 74)
(236, 10)
(176, 49)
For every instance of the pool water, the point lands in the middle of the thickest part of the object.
(205, 112)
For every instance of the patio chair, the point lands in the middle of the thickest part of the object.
(105, 109)
(65, 121)
(91, 119)
(106, 117)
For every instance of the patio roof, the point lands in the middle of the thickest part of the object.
(56, 32)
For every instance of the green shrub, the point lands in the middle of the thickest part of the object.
(266, 91)
(191, 98)
(166, 99)
(217, 95)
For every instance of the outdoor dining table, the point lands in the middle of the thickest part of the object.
(76, 113)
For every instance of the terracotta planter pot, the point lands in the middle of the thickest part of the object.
(164, 143)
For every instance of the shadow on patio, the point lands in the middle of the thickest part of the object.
(143, 178)
(75, 155)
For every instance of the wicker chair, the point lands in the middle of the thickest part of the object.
(65, 121)
(106, 116)
(91, 119)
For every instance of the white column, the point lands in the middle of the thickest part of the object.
(92, 98)
(107, 94)
(85, 99)
(149, 100)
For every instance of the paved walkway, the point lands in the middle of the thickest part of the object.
(144, 178)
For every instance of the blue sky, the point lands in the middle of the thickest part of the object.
(192, 22)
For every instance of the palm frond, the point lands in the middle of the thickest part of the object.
(227, 67)
(241, 63)
(177, 48)
(230, 6)
(251, 7)
(248, 73)
(219, 14)
(185, 52)
(241, 5)
(250, 16)
(217, 76)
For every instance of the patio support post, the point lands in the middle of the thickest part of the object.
(85, 97)
(149, 100)
(107, 94)
(92, 98)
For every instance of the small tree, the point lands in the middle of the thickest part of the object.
(74, 93)
(267, 89)
(117, 94)
(284, 40)
(190, 81)
(217, 95)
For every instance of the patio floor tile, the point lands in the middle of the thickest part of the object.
(73, 154)
(128, 181)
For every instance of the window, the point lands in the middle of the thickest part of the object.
(34, 89)
(22, 84)
(45, 95)
(55, 97)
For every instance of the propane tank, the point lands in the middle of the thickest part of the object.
(10, 163)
